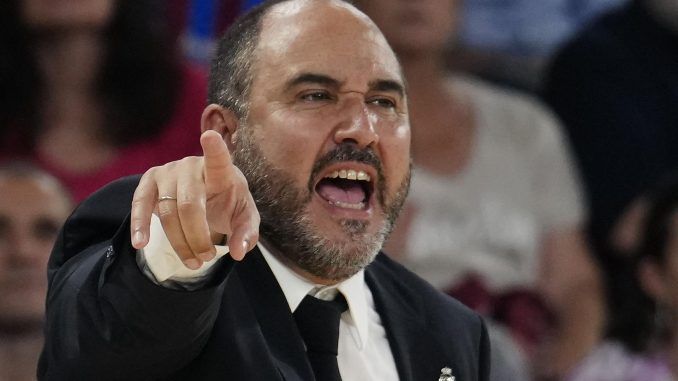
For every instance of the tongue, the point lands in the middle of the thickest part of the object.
(346, 191)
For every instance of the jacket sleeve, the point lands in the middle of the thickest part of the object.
(105, 319)
(484, 357)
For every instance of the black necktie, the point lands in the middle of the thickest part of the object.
(318, 323)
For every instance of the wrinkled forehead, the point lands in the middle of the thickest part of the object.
(327, 36)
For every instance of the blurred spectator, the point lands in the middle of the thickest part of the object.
(616, 88)
(32, 208)
(510, 41)
(93, 90)
(494, 212)
(643, 343)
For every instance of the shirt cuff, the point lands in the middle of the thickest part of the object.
(160, 263)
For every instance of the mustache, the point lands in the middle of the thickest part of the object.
(348, 152)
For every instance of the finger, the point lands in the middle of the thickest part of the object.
(171, 224)
(245, 233)
(218, 164)
(143, 204)
(191, 206)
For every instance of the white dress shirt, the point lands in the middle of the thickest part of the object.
(363, 353)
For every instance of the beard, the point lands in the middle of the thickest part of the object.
(285, 222)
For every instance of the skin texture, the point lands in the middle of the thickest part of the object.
(316, 86)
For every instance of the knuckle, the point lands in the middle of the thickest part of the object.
(182, 250)
(188, 207)
(138, 203)
(137, 221)
(189, 161)
(204, 247)
(149, 173)
(186, 160)
(165, 211)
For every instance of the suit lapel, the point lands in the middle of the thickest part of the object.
(275, 319)
(418, 355)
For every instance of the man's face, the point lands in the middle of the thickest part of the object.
(31, 212)
(326, 144)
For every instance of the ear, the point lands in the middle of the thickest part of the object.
(221, 120)
(651, 280)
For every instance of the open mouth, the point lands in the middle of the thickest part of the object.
(346, 188)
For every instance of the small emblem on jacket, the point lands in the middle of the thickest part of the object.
(446, 374)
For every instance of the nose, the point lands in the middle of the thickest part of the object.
(357, 124)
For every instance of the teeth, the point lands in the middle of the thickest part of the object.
(350, 174)
(345, 205)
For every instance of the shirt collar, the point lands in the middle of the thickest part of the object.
(295, 288)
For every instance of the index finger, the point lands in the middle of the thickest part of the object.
(143, 203)
(218, 165)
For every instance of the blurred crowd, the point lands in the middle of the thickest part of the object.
(544, 135)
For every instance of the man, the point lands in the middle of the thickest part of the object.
(32, 207)
(308, 101)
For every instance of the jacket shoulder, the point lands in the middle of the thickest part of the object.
(97, 218)
(421, 296)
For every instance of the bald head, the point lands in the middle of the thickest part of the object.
(272, 27)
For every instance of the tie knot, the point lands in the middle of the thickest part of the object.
(318, 322)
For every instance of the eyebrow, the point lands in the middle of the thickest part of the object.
(325, 80)
(311, 78)
(388, 85)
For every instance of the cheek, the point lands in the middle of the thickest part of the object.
(395, 149)
(292, 143)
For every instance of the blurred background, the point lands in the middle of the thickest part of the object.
(544, 144)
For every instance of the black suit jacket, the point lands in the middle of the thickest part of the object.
(107, 321)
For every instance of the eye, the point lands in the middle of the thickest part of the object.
(45, 229)
(316, 95)
(383, 102)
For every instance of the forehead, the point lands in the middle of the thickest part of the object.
(323, 36)
(29, 196)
